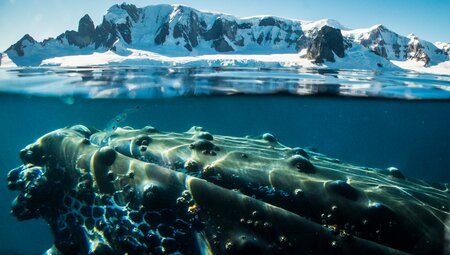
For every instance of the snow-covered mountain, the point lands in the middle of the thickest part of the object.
(390, 45)
(176, 32)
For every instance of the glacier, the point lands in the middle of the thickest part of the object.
(177, 35)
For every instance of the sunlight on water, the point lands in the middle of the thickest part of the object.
(157, 82)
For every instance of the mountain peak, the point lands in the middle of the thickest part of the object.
(179, 30)
(380, 27)
(333, 23)
(86, 26)
(317, 25)
(27, 37)
(86, 16)
(412, 36)
(21, 44)
(118, 13)
(181, 6)
(326, 44)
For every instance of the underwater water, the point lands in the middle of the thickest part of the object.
(368, 119)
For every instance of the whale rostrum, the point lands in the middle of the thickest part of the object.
(143, 191)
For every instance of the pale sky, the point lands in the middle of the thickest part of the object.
(429, 19)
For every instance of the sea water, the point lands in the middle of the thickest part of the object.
(365, 118)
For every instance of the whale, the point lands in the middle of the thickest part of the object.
(145, 191)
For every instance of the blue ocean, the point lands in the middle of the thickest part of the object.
(377, 120)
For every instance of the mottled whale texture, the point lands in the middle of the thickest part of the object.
(142, 191)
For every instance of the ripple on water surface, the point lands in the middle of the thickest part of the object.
(157, 82)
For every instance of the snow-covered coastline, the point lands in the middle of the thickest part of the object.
(176, 35)
(143, 58)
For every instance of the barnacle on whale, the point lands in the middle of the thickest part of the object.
(142, 191)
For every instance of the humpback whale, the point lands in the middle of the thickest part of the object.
(144, 191)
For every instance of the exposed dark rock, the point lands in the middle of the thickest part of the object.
(125, 30)
(328, 41)
(440, 51)
(347, 44)
(21, 44)
(132, 11)
(86, 26)
(225, 34)
(72, 37)
(381, 41)
(195, 31)
(418, 53)
(245, 25)
(376, 42)
(302, 42)
(177, 31)
(221, 45)
(240, 42)
(396, 48)
(268, 37)
(260, 38)
(188, 47)
(106, 35)
(270, 21)
(81, 38)
(190, 32)
(380, 51)
(222, 28)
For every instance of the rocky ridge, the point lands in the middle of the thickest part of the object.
(183, 31)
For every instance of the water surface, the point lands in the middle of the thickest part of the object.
(155, 82)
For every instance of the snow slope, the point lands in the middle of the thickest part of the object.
(180, 35)
(5, 61)
(144, 58)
